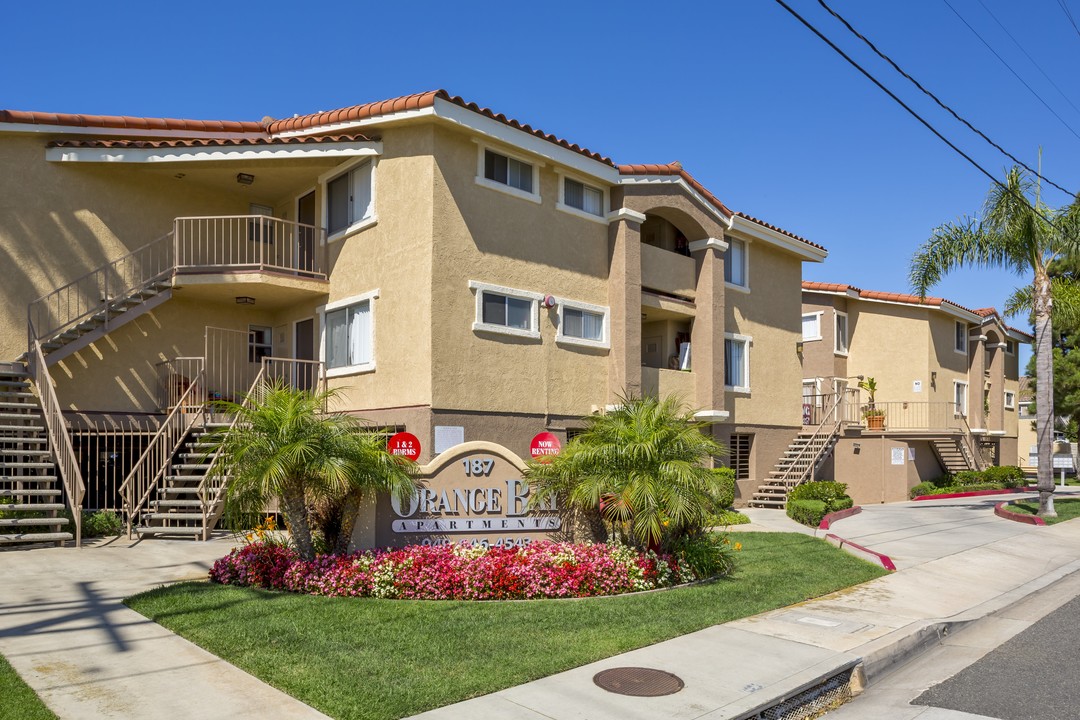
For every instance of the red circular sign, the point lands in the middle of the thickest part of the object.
(543, 446)
(404, 444)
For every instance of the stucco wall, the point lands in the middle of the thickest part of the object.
(819, 358)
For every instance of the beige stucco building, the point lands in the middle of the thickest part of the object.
(947, 377)
(455, 273)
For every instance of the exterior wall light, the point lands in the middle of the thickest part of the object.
(245, 178)
(245, 300)
(799, 347)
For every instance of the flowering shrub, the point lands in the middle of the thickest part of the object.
(457, 572)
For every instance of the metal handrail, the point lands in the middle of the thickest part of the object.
(210, 504)
(833, 414)
(139, 485)
(969, 447)
(59, 440)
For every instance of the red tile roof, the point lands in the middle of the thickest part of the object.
(676, 168)
(129, 123)
(896, 297)
(208, 142)
(416, 102)
(782, 231)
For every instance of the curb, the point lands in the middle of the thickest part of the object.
(973, 493)
(828, 520)
(1001, 512)
(865, 553)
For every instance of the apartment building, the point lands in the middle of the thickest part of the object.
(947, 385)
(453, 272)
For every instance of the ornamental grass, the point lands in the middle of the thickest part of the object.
(456, 572)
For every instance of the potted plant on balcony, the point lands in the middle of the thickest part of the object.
(875, 417)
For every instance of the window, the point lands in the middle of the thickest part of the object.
(583, 197)
(349, 198)
(260, 341)
(960, 395)
(735, 264)
(1027, 410)
(961, 345)
(840, 342)
(1010, 400)
(508, 171)
(349, 335)
(739, 455)
(737, 362)
(582, 324)
(505, 310)
(811, 326)
(1010, 347)
(811, 392)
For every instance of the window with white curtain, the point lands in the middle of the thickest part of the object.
(737, 362)
(811, 326)
(583, 324)
(735, 263)
(348, 335)
(348, 198)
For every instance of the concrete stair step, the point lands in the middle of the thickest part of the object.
(191, 466)
(30, 493)
(26, 465)
(174, 530)
(175, 516)
(24, 451)
(31, 507)
(14, 538)
(16, 522)
(28, 478)
(9, 427)
(178, 503)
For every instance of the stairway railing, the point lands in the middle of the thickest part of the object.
(969, 447)
(145, 477)
(211, 494)
(809, 456)
(59, 440)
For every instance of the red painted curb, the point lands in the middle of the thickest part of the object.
(832, 517)
(973, 493)
(884, 560)
(1001, 512)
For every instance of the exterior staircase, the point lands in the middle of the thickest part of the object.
(177, 506)
(31, 501)
(803, 457)
(953, 455)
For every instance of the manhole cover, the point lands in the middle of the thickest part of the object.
(639, 682)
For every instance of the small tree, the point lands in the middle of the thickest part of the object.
(285, 447)
(644, 465)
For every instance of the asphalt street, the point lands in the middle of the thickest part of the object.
(1033, 675)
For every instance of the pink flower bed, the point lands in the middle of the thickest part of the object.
(455, 572)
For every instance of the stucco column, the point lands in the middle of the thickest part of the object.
(624, 299)
(707, 334)
(976, 381)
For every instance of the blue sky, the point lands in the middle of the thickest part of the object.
(757, 108)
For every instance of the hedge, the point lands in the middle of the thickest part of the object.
(993, 478)
(811, 512)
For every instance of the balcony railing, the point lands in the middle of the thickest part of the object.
(921, 416)
(235, 243)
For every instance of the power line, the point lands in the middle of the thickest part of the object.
(1068, 14)
(935, 98)
(1028, 56)
(914, 114)
(1017, 75)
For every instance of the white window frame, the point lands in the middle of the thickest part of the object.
(370, 296)
(1025, 412)
(748, 342)
(817, 390)
(605, 333)
(818, 314)
(1010, 400)
(482, 180)
(836, 334)
(967, 398)
(357, 225)
(560, 203)
(534, 299)
(731, 241)
(961, 351)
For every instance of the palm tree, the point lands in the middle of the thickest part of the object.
(1024, 236)
(643, 465)
(285, 447)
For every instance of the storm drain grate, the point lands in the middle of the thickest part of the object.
(813, 701)
(638, 681)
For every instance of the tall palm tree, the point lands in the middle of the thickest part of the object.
(285, 447)
(644, 464)
(1014, 233)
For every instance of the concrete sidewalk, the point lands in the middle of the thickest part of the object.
(65, 630)
(743, 667)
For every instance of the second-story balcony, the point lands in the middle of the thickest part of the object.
(668, 272)
(252, 258)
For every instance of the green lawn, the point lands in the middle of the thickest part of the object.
(1066, 509)
(367, 658)
(17, 700)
